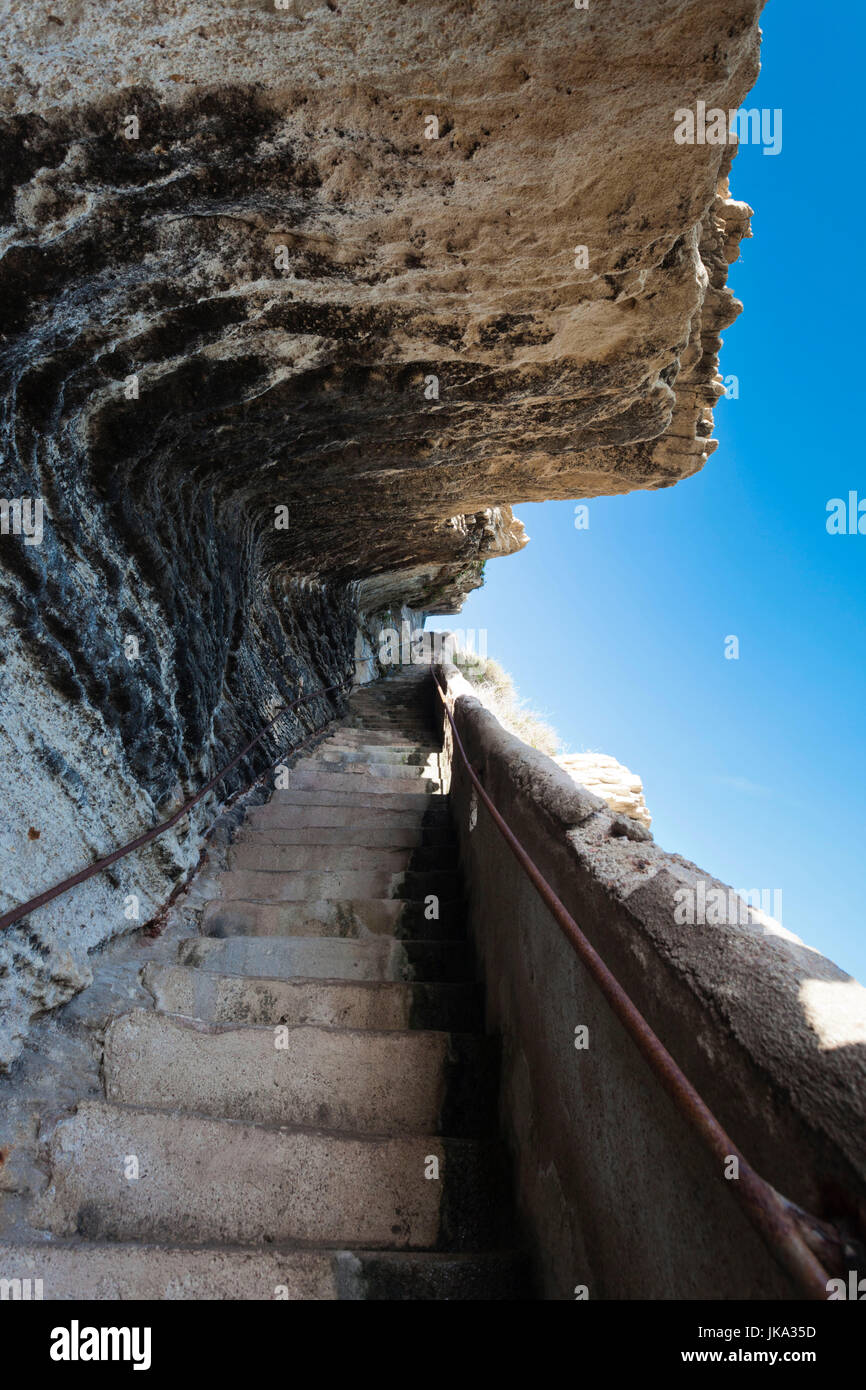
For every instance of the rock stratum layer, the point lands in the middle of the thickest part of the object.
(239, 301)
(604, 776)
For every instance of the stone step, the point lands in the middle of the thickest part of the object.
(351, 736)
(97, 1271)
(400, 729)
(384, 699)
(329, 958)
(261, 848)
(255, 852)
(356, 918)
(408, 837)
(202, 1181)
(377, 772)
(215, 998)
(358, 1081)
(387, 698)
(418, 884)
(346, 918)
(383, 802)
(265, 886)
(394, 730)
(389, 695)
(367, 703)
(432, 858)
(398, 1275)
(367, 765)
(275, 884)
(319, 778)
(397, 754)
(308, 814)
(405, 757)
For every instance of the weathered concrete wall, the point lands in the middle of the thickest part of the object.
(614, 1190)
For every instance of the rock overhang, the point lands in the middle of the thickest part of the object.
(287, 265)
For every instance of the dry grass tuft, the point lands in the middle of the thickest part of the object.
(496, 689)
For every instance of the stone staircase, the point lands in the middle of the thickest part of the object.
(310, 1110)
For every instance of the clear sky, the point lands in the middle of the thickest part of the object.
(754, 768)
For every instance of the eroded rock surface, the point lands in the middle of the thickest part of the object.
(278, 293)
(609, 779)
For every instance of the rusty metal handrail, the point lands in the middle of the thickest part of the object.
(775, 1219)
(15, 914)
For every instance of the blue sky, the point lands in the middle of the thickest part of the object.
(753, 768)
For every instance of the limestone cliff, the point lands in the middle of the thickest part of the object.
(291, 313)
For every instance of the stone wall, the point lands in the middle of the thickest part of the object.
(615, 1192)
